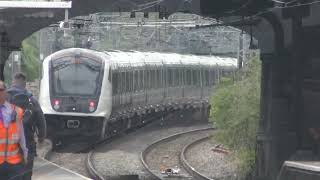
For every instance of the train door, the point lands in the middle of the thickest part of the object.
(126, 85)
(116, 84)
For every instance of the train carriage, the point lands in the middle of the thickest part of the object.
(83, 91)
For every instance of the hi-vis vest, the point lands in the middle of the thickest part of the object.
(9, 139)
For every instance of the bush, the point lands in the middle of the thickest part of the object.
(235, 113)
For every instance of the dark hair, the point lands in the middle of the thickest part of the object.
(20, 76)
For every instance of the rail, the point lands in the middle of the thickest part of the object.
(150, 147)
(90, 168)
(196, 174)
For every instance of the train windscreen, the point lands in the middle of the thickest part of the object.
(79, 76)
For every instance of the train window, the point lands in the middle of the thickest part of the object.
(127, 81)
(152, 78)
(202, 77)
(141, 84)
(129, 78)
(110, 74)
(188, 77)
(173, 77)
(82, 78)
(170, 78)
(164, 77)
(214, 76)
(147, 77)
(195, 77)
(159, 79)
(115, 82)
(192, 76)
(182, 77)
(176, 76)
(123, 82)
(136, 81)
(120, 83)
(206, 72)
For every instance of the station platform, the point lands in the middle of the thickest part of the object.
(46, 170)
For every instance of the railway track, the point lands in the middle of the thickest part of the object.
(74, 159)
(183, 158)
(79, 158)
(91, 169)
(169, 153)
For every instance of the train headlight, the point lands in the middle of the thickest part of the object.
(56, 104)
(91, 106)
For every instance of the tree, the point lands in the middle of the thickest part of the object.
(30, 57)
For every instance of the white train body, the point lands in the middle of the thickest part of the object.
(81, 89)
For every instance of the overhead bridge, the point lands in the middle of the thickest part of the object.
(288, 33)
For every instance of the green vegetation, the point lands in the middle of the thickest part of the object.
(30, 57)
(235, 112)
(29, 60)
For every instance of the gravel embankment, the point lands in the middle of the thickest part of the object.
(211, 164)
(122, 156)
(71, 161)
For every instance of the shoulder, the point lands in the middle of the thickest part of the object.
(16, 90)
(19, 111)
(13, 90)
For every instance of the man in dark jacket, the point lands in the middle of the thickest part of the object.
(34, 125)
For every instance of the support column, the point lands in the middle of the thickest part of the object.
(275, 142)
(264, 139)
(297, 74)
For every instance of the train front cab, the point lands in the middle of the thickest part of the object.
(76, 82)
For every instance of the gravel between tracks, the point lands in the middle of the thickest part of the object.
(167, 153)
(212, 164)
(122, 156)
(71, 161)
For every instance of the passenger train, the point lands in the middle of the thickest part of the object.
(86, 93)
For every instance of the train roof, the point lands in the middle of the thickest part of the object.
(137, 58)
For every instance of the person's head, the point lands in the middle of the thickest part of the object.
(19, 80)
(3, 92)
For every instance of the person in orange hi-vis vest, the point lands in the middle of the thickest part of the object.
(13, 150)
